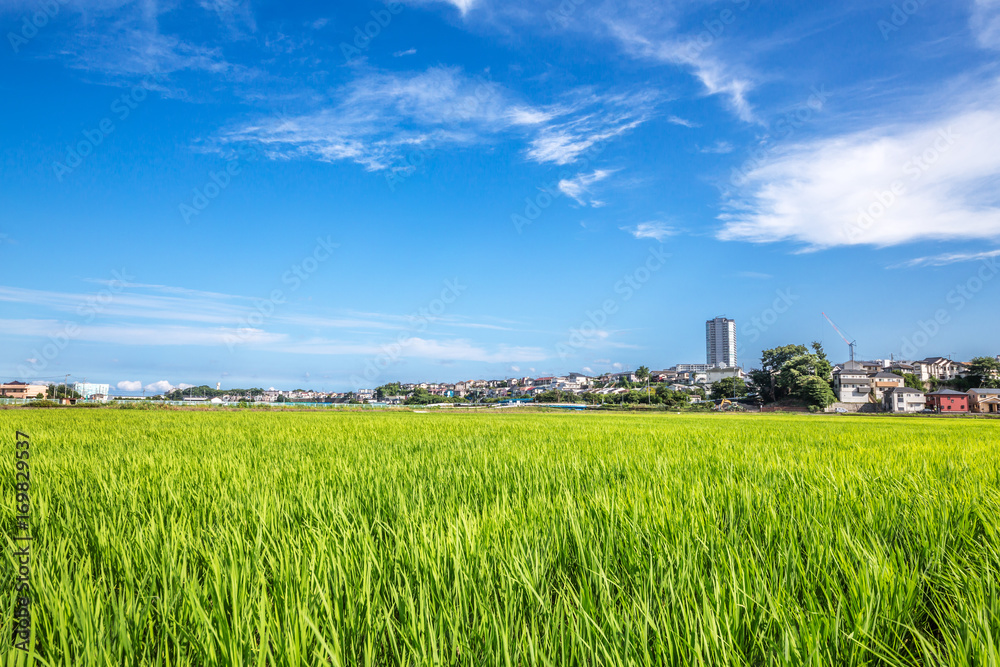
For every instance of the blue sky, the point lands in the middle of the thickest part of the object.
(333, 197)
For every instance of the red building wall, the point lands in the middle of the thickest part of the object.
(949, 403)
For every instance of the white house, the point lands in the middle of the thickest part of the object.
(852, 385)
(717, 374)
(939, 367)
(903, 399)
(884, 381)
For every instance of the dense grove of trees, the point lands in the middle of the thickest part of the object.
(793, 371)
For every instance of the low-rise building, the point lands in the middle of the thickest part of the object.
(939, 367)
(884, 381)
(713, 375)
(852, 385)
(948, 400)
(984, 401)
(88, 389)
(903, 399)
(17, 389)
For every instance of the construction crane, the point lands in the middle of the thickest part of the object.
(850, 343)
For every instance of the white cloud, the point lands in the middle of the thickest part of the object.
(986, 23)
(130, 385)
(564, 143)
(716, 76)
(950, 258)
(380, 118)
(407, 52)
(161, 387)
(463, 6)
(718, 148)
(580, 186)
(677, 120)
(235, 15)
(658, 231)
(892, 185)
(587, 369)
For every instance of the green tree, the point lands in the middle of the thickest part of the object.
(815, 391)
(984, 372)
(390, 389)
(728, 388)
(765, 379)
(642, 374)
(784, 370)
(911, 380)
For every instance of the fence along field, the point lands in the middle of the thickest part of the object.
(188, 538)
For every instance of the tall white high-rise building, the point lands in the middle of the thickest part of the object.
(720, 342)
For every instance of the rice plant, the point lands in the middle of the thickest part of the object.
(239, 538)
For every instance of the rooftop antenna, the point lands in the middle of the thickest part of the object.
(850, 343)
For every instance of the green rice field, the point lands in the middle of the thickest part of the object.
(311, 538)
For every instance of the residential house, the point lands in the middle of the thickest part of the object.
(872, 366)
(852, 384)
(17, 389)
(884, 381)
(903, 367)
(903, 399)
(691, 368)
(984, 401)
(716, 374)
(948, 400)
(940, 368)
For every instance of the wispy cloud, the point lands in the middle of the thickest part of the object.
(591, 120)
(948, 258)
(986, 23)
(717, 76)
(407, 52)
(658, 231)
(125, 41)
(677, 120)
(578, 187)
(463, 6)
(718, 148)
(380, 117)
